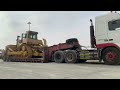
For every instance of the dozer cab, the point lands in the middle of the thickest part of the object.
(27, 48)
(30, 38)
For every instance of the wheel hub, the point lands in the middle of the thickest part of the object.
(58, 56)
(110, 56)
(70, 57)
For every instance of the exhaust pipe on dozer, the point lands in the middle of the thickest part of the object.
(17, 40)
(92, 37)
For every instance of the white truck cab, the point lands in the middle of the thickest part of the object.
(107, 29)
(107, 37)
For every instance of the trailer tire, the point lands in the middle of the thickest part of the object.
(59, 57)
(111, 56)
(71, 56)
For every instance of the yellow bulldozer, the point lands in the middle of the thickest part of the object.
(27, 49)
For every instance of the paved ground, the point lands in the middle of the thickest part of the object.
(19, 70)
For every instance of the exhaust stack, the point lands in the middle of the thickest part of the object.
(17, 40)
(92, 37)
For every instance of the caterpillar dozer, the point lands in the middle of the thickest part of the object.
(27, 49)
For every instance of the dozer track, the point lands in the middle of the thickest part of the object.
(19, 58)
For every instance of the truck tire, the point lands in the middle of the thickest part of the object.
(59, 56)
(71, 40)
(111, 56)
(71, 56)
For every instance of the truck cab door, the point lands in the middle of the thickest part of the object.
(114, 32)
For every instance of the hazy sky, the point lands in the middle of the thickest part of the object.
(55, 26)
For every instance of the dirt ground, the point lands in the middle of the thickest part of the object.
(88, 70)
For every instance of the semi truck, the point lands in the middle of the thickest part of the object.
(104, 40)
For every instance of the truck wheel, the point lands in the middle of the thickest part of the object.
(59, 56)
(111, 56)
(71, 56)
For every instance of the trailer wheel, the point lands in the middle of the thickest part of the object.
(111, 56)
(59, 56)
(71, 56)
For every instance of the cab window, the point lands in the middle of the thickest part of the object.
(34, 36)
(30, 36)
(23, 35)
(114, 24)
